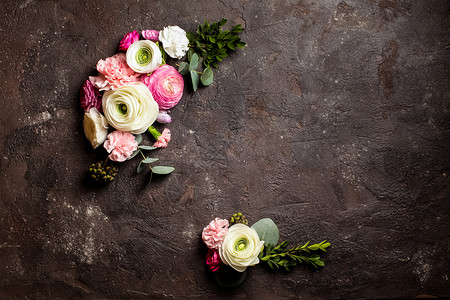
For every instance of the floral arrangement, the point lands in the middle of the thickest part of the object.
(136, 88)
(233, 246)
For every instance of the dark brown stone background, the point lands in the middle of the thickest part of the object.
(334, 122)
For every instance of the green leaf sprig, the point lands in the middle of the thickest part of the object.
(146, 161)
(280, 257)
(213, 44)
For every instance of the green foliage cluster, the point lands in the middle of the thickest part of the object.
(190, 67)
(213, 44)
(280, 257)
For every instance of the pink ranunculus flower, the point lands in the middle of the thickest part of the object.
(114, 73)
(213, 260)
(90, 97)
(120, 145)
(215, 232)
(152, 35)
(163, 139)
(128, 39)
(166, 86)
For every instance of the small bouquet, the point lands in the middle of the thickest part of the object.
(233, 246)
(135, 88)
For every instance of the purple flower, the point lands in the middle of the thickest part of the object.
(90, 97)
(128, 39)
(152, 35)
(163, 117)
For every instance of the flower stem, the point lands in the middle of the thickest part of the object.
(107, 158)
(148, 164)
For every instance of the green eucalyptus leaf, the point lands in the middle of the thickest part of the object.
(194, 78)
(140, 167)
(193, 64)
(267, 231)
(145, 147)
(183, 69)
(162, 170)
(138, 138)
(136, 152)
(149, 160)
(207, 77)
(228, 277)
(189, 54)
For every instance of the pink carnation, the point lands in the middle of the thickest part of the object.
(166, 86)
(214, 233)
(163, 139)
(213, 260)
(128, 39)
(152, 35)
(120, 144)
(90, 97)
(114, 73)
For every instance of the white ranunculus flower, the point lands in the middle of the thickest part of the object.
(174, 41)
(95, 127)
(130, 108)
(241, 247)
(144, 56)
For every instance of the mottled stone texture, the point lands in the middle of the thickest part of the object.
(334, 122)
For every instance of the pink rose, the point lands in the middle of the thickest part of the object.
(90, 97)
(114, 73)
(214, 233)
(120, 144)
(213, 260)
(152, 35)
(166, 86)
(163, 139)
(128, 39)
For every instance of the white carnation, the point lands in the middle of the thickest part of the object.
(174, 41)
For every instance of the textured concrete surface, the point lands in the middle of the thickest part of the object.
(334, 122)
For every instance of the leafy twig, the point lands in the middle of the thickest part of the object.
(279, 257)
(213, 44)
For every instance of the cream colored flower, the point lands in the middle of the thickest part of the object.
(130, 108)
(174, 41)
(144, 56)
(241, 247)
(95, 127)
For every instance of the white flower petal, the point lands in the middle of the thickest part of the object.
(95, 127)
